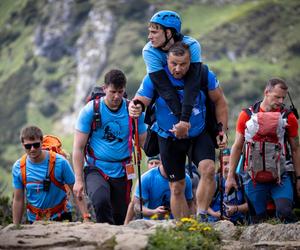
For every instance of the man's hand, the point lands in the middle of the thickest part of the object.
(161, 210)
(231, 209)
(230, 182)
(78, 190)
(181, 129)
(135, 110)
(222, 140)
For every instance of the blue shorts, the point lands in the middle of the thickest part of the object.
(262, 192)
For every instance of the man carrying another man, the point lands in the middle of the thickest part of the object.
(174, 145)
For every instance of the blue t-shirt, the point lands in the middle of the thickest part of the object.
(165, 119)
(156, 191)
(155, 59)
(110, 142)
(35, 174)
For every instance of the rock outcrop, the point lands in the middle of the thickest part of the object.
(77, 235)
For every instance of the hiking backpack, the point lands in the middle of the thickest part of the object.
(265, 144)
(52, 144)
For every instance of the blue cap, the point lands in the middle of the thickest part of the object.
(226, 151)
(156, 157)
(167, 19)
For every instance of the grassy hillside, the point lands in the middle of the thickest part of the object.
(244, 43)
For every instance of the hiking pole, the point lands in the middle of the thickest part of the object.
(220, 129)
(292, 107)
(139, 157)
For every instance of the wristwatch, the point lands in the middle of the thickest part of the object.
(87, 216)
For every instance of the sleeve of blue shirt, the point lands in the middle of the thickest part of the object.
(213, 82)
(67, 172)
(195, 51)
(141, 125)
(85, 118)
(188, 188)
(146, 88)
(145, 187)
(152, 58)
(16, 174)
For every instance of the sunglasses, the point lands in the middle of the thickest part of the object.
(30, 145)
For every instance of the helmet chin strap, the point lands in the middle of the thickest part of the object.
(167, 39)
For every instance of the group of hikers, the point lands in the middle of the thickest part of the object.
(179, 114)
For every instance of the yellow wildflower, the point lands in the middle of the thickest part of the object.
(206, 229)
(154, 217)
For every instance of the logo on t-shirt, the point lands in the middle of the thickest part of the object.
(112, 132)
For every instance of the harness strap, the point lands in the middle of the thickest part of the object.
(23, 168)
(49, 212)
(105, 176)
(97, 124)
(52, 157)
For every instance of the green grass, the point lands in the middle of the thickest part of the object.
(7, 7)
(13, 57)
(202, 19)
(6, 182)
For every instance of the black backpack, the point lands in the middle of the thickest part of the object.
(211, 124)
(151, 143)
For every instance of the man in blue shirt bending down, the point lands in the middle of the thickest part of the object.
(173, 144)
(107, 153)
(156, 194)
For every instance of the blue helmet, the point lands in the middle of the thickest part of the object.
(167, 19)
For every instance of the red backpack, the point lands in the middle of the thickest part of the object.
(265, 144)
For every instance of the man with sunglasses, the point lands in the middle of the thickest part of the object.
(46, 197)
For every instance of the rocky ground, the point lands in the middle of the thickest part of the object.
(77, 235)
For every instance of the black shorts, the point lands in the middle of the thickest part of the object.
(173, 153)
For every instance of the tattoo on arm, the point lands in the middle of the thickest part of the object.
(296, 140)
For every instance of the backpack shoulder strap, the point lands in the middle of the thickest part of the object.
(248, 112)
(204, 78)
(253, 108)
(51, 168)
(285, 113)
(23, 169)
(150, 111)
(256, 106)
(96, 116)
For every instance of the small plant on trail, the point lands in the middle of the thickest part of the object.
(187, 234)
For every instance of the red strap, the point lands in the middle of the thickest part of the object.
(52, 157)
(130, 137)
(23, 168)
(136, 140)
(105, 176)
